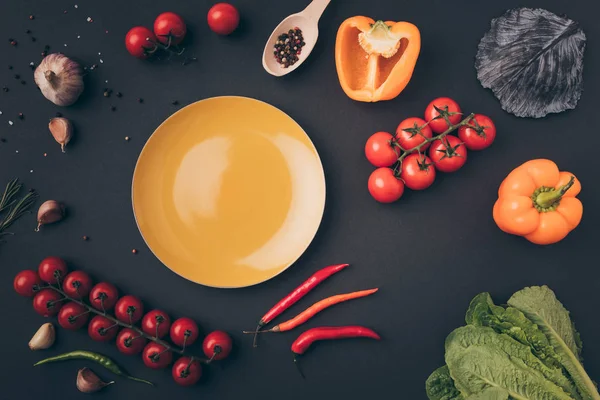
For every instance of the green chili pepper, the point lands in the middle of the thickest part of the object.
(97, 358)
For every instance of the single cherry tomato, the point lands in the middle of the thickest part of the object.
(217, 345)
(102, 329)
(186, 371)
(52, 269)
(384, 186)
(448, 107)
(418, 172)
(77, 284)
(479, 134)
(380, 150)
(73, 316)
(156, 323)
(412, 132)
(47, 302)
(223, 18)
(156, 356)
(184, 332)
(130, 342)
(104, 296)
(140, 42)
(169, 24)
(448, 154)
(129, 309)
(27, 283)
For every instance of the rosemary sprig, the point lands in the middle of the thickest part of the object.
(16, 208)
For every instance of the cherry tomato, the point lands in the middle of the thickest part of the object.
(156, 356)
(27, 283)
(186, 372)
(169, 23)
(46, 302)
(448, 154)
(102, 329)
(130, 342)
(479, 134)
(103, 296)
(129, 309)
(140, 42)
(223, 18)
(418, 172)
(380, 150)
(412, 132)
(51, 269)
(156, 323)
(77, 284)
(447, 105)
(384, 186)
(217, 345)
(72, 316)
(184, 332)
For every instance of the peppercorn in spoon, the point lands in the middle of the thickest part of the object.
(293, 40)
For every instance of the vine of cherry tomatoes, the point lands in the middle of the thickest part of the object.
(52, 279)
(411, 157)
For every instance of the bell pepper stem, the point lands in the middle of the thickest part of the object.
(548, 199)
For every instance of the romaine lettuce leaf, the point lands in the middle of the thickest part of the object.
(440, 386)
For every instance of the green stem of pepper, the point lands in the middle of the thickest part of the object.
(551, 198)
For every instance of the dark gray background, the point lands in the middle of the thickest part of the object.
(430, 253)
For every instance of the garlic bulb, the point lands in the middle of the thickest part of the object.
(60, 79)
(43, 338)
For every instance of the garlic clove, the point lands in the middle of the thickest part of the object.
(62, 131)
(89, 382)
(60, 79)
(49, 212)
(43, 338)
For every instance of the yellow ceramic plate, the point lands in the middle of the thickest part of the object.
(228, 192)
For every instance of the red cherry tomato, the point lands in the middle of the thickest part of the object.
(102, 329)
(51, 269)
(77, 284)
(129, 309)
(217, 345)
(46, 302)
(169, 24)
(130, 342)
(184, 332)
(140, 42)
(104, 296)
(412, 132)
(27, 283)
(72, 316)
(156, 323)
(223, 18)
(448, 154)
(380, 150)
(438, 123)
(186, 372)
(384, 186)
(156, 356)
(479, 134)
(418, 172)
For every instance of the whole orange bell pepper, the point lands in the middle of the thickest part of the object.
(375, 60)
(537, 201)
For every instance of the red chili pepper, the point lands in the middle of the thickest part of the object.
(316, 308)
(297, 294)
(306, 339)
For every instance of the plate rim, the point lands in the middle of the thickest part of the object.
(324, 184)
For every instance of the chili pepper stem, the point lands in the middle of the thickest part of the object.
(272, 330)
(547, 199)
(255, 340)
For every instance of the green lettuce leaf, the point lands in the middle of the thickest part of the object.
(440, 386)
(492, 393)
(542, 307)
(480, 359)
(483, 312)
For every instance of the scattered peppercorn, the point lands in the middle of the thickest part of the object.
(47, 47)
(85, 237)
(2, 140)
(10, 67)
(113, 108)
(94, 66)
(28, 31)
(119, 94)
(288, 47)
(175, 102)
(134, 251)
(17, 76)
(45, 154)
(107, 92)
(5, 89)
(23, 82)
(21, 116)
(13, 42)
(33, 39)
(127, 138)
(140, 100)
(31, 17)
(44, 53)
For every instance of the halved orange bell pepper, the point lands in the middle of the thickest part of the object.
(375, 60)
(537, 201)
